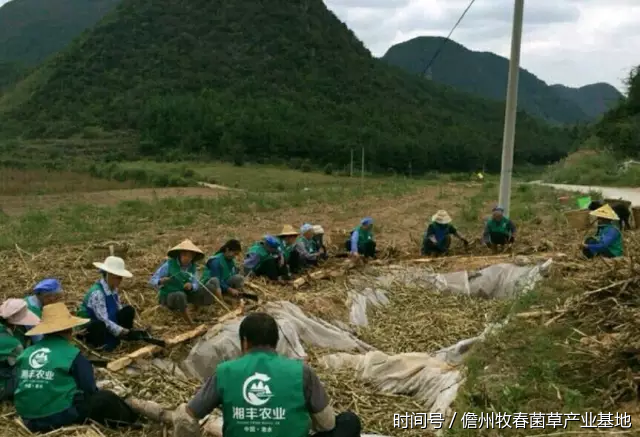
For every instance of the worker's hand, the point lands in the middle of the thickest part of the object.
(433, 239)
(355, 255)
(124, 332)
(184, 425)
(233, 292)
(188, 286)
(164, 280)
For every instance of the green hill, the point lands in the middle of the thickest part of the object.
(200, 77)
(594, 99)
(32, 30)
(10, 73)
(485, 74)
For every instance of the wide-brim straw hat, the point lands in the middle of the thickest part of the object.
(317, 229)
(16, 312)
(288, 231)
(441, 217)
(115, 266)
(186, 246)
(605, 212)
(56, 318)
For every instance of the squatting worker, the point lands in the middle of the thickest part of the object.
(45, 292)
(271, 394)
(361, 241)
(607, 242)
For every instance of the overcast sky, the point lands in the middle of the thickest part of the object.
(573, 42)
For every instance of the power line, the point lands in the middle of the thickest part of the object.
(435, 55)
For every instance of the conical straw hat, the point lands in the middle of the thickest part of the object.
(288, 231)
(186, 246)
(605, 212)
(442, 217)
(56, 318)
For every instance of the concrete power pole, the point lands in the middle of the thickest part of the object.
(511, 108)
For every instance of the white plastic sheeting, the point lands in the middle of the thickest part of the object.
(223, 344)
(430, 380)
(359, 302)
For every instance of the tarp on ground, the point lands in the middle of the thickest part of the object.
(295, 327)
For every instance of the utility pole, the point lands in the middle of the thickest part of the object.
(511, 108)
(362, 170)
(351, 168)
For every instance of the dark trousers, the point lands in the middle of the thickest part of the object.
(347, 425)
(8, 381)
(294, 262)
(103, 407)
(431, 248)
(367, 249)
(271, 269)
(498, 239)
(98, 336)
(587, 253)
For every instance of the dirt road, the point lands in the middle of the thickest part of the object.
(630, 194)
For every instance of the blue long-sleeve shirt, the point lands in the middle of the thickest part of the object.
(604, 240)
(355, 236)
(82, 372)
(163, 271)
(215, 269)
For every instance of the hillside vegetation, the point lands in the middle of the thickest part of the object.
(192, 80)
(607, 146)
(32, 30)
(485, 74)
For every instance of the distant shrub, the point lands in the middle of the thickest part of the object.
(305, 166)
(328, 169)
(295, 163)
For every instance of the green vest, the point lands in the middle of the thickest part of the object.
(228, 267)
(616, 247)
(8, 343)
(178, 277)
(310, 245)
(34, 309)
(264, 392)
(286, 249)
(84, 306)
(363, 235)
(501, 227)
(45, 386)
(262, 252)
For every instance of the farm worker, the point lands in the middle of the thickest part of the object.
(14, 316)
(306, 246)
(498, 230)
(361, 242)
(177, 282)
(318, 237)
(45, 292)
(437, 237)
(608, 239)
(285, 393)
(287, 238)
(110, 321)
(621, 210)
(55, 383)
(221, 274)
(265, 258)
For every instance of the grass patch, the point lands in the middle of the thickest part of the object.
(593, 168)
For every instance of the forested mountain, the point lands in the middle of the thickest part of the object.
(203, 77)
(594, 99)
(32, 30)
(485, 74)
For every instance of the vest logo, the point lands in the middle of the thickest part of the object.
(255, 391)
(39, 358)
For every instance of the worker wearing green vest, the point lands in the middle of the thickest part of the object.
(287, 238)
(14, 317)
(307, 248)
(55, 383)
(607, 242)
(265, 258)
(263, 393)
(177, 282)
(47, 291)
(499, 230)
(221, 275)
(361, 241)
